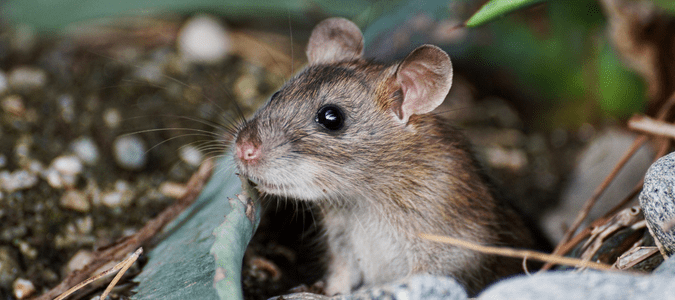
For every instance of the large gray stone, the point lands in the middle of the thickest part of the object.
(657, 200)
(587, 285)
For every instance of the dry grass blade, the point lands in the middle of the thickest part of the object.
(517, 253)
(651, 126)
(596, 195)
(567, 242)
(123, 266)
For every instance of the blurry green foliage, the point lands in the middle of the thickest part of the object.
(496, 8)
(564, 58)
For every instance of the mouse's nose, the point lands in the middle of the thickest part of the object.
(247, 152)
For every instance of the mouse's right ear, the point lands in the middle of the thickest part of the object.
(334, 40)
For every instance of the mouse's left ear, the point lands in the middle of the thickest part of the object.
(425, 77)
(334, 40)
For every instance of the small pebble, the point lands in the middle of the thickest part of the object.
(657, 201)
(112, 118)
(67, 105)
(152, 72)
(191, 155)
(67, 165)
(129, 152)
(84, 225)
(13, 104)
(172, 189)
(23, 288)
(122, 196)
(75, 200)
(3, 160)
(27, 250)
(27, 78)
(204, 40)
(85, 149)
(17, 180)
(513, 159)
(79, 261)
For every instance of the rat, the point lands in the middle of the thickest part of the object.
(358, 138)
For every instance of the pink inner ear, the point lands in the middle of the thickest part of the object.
(416, 90)
(425, 77)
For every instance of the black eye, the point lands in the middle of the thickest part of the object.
(330, 117)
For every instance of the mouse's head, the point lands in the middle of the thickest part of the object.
(343, 122)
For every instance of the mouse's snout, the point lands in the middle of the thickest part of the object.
(248, 146)
(247, 152)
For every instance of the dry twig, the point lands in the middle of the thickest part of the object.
(517, 253)
(123, 265)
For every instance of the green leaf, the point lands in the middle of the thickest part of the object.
(621, 91)
(181, 265)
(497, 8)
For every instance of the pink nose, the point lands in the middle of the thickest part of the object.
(248, 152)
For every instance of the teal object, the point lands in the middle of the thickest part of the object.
(181, 266)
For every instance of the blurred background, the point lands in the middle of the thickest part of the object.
(109, 106)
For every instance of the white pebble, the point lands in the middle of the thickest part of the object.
(112, 118)
(191, 155)
(27, 78)
(81, 259)
(3, 160)
(129, 152)
(67, 165)
(204, 40)
(75, 200)
(17, 180)
(23, 288)
(117, 199)
(85, 149)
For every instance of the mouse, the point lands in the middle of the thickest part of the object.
(358, 138)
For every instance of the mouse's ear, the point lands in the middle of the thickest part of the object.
(425, 77)
(333, 40)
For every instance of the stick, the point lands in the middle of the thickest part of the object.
(124, 265)
(517, 253)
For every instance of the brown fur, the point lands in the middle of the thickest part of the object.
(380, 182)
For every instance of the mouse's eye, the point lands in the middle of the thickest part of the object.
(331, 117)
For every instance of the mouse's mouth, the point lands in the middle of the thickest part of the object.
(270, 188)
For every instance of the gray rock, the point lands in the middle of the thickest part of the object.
(129, 152)
(587, 285)
(422, 287)
(658, 202)
(667, 268)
